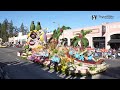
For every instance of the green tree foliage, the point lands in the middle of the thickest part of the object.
(15, 31)
(83, 40)
(38, 27)
(4, 30)
(0, 30)
(56, 33)
(7, 30)
(11, 28)
(32, 26)
(22, 28)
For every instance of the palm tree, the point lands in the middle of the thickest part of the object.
(56, 34)
(81, 37)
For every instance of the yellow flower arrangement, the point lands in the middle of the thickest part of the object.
(39, 46)
(30, 32)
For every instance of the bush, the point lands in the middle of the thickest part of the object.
(26, 47)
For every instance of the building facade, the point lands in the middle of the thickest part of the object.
(106, 35)
(21, 38)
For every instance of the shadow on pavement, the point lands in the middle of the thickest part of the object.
(26, 70)
(111, 73)
(2, 64)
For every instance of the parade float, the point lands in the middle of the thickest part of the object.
(1, 45)
(68, 60)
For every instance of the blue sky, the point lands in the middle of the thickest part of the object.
(73, 19)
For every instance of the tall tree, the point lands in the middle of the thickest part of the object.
(22, 28)
(38, 27)
(0, 30)
(26, 30)
(15, 31)
(5, 30)
(32, 26)
(11, 28)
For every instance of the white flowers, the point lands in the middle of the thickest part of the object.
(91, 68)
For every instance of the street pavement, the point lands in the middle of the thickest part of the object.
(14, 67)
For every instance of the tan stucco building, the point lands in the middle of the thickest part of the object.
(102, 36)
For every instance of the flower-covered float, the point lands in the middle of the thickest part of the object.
(68, 60)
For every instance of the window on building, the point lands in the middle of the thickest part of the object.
(99, 42)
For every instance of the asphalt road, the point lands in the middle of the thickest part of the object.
(16, 68)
